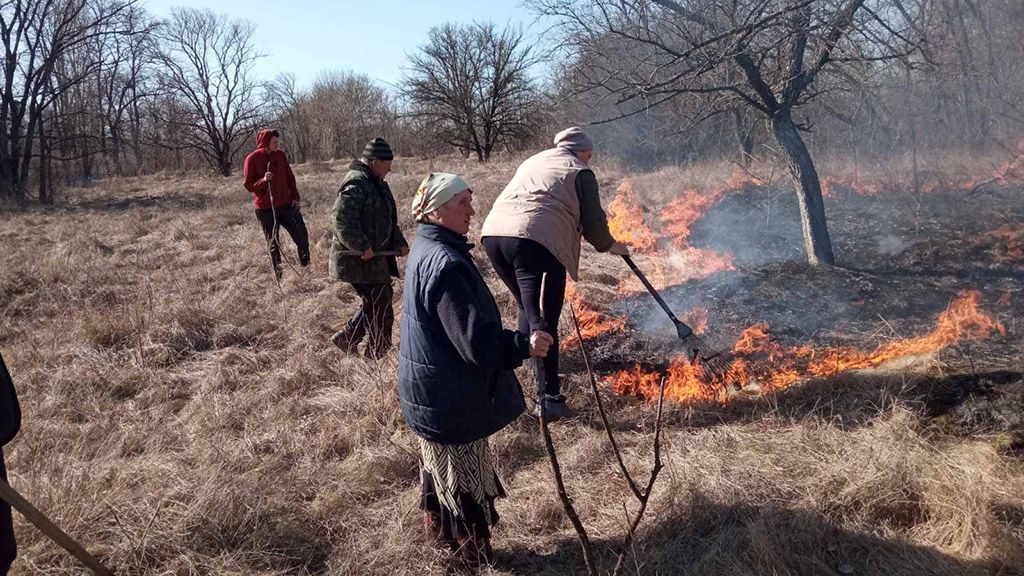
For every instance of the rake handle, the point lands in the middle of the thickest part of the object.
(376, 254)
(46, 526)
(657, 297)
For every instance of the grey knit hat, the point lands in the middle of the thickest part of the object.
(378, 149)
(574, 139)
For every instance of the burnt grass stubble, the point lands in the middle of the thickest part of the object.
(184, 415)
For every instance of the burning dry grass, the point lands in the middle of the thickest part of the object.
(760, 364)
(183, 415)
(594, 320)
(671, 258)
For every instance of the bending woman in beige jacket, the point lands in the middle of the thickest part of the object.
(535, 227)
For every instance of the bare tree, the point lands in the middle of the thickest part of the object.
(291, 108)
(768, 56)
(39, 37)
(472, 83)
(124, 81)
(100, 82)
(347, 110)
(207, 63)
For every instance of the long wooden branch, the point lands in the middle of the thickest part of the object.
(686, 13)
(842, 23)
(570, 510)
(756, 80)
(600, 407)
(556, 469)
(798, 46)
(645, 499)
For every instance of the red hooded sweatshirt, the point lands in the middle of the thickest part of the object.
(258, 163)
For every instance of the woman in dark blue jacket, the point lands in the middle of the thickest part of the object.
(455, 378)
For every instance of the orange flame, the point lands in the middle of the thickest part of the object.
(740, 179)
(697, 318)
(626, 223)
(626, 220)
(831, 184)
(682, 213)
(593, 320)
(771, 366)
(684, 262)
(678, 267)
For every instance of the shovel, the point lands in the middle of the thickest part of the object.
(697, 350)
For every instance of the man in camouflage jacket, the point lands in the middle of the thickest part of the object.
(366, 223)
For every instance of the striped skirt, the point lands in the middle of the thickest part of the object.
(459, 486)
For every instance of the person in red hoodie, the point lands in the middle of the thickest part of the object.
(272, 183)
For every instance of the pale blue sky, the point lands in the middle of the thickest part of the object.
(371, 37)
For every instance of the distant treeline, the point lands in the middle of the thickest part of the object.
(95, 88)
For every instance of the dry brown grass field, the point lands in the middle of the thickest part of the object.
(185, 415)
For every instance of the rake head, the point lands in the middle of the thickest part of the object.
(698, 351)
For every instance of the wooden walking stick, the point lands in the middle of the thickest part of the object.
(275, 236)
(47, 527)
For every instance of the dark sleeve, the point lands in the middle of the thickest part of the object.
(291, 179)
(10, 411)
(397, 238)
(348, 225)
(480, 339)
(254, 181)
(592, 217)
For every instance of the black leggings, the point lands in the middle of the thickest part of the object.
(520, 263)
(291, 220)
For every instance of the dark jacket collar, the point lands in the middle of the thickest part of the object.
(360, 166)
(444, 236)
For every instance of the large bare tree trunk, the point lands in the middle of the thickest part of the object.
(45, 155)
(224, 164)
(817, 242)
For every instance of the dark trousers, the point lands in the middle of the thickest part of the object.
(291, 220)
(375, 318)
(520, 263)
(8, 548)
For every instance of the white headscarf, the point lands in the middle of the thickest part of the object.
(434, 191)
